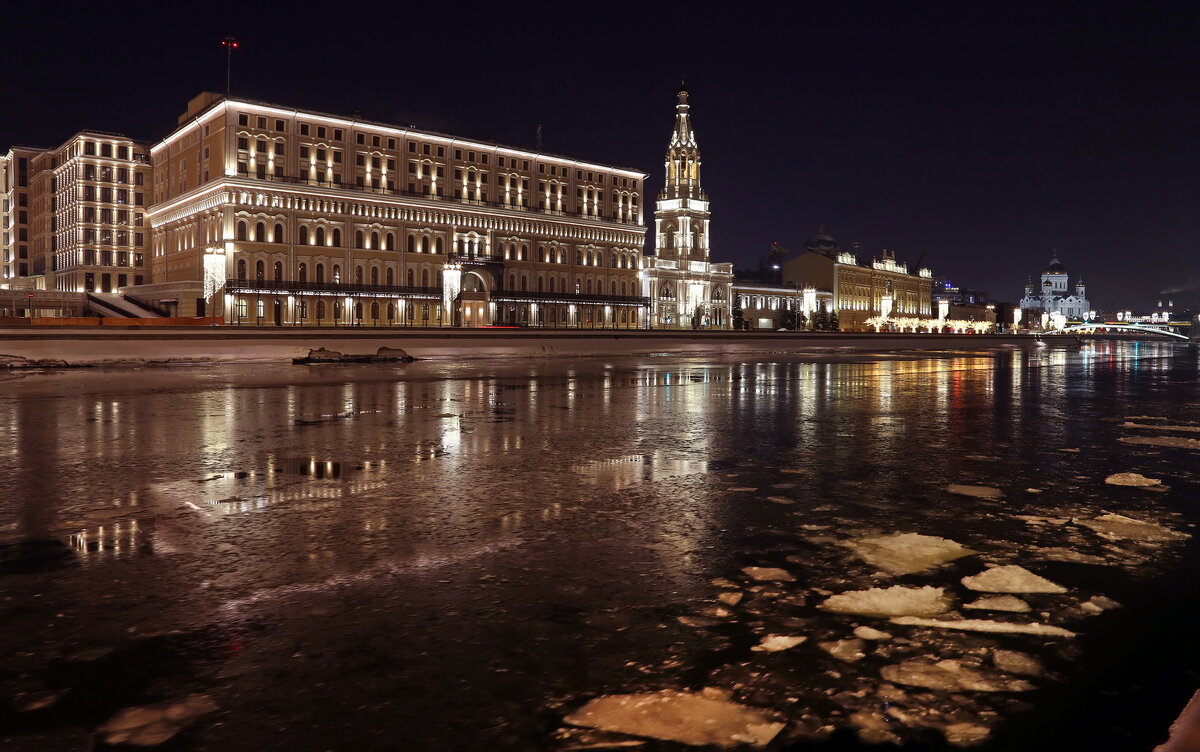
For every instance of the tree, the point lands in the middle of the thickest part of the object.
(834, 324)
(820, 319)
(801, 320)
(787, 319)
(736, 312)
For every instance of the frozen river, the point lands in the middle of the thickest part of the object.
(916, 549)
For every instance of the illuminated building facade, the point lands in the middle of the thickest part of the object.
(686, 290)
(323, 220)
(17, 244)
(763, 304)
(1053, 295)
(882, 288)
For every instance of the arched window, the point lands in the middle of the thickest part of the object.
(541, 253)
(278, 232)
(410, 277)
(320, 308)
(337, 273)
(241, 230)
(320, 272)
(390, 278)
(358, 239)
(624, 289)
(358, 274)
(578, 258)
(589, 287)
(524, 282)
(260, 232)
(599, 258)
(391, 310)
(320, 236)
(437, 245)
(512, 281)
(375, 240)
(302, 272)
(241, 268)
(389, 242)
(337, 237)
(259, 271)
(614, 288)
(524, 252)
(303, 235)
(277, 272)
(615, 258)
(424, 244)
(374, 275)
(551, 284)
(412, 244)
(425, 279)
(541, 283)
(375, 310)
(358, 310)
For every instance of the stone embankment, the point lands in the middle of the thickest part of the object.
(63, 347)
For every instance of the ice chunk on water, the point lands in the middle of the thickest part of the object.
(845, 650)
(984, 625)
(774, 643)
(1011, 579)
(951, 676)
(1017, 663)
(979, 492)
(907, 553)
(768, 574)
(1161, 441)
(1132, 479)
(866, 633)
(999, 603)
(965, 734)
(730, 599)
(691, 718)
(894, 601)
(149, 725)
(1120, 527)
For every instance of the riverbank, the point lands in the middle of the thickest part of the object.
(90, 347)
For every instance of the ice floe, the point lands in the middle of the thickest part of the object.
(867, 633)
(979, 492)
(768, 574)
(984, 625)
(845, 650)
(774, 643)
(696, 718)
(147, 725)
(1132, 479)
(999, 603)
(1162, 441)
(730, 599)
(1011, 579)
(1013, 662)
(907, 553)
(951, 676)
(1120, 527)
(894, 601)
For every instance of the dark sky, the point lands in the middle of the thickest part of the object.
(979, 136)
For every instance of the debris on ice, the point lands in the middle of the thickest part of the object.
(1013, 662)
(984, 625)
(696, 718)
(1132, 479)
(1011, 579)
(845, 650)
(147, 725)
(774, 643)
(951, 676)
(867, 633)
(907, 553)
(1120, 527)
(979, 492)
(999, 603)
(768, 574)
(894, 601)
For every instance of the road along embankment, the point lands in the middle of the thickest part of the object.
(110, 346)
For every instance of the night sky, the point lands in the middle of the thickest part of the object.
(977, 137)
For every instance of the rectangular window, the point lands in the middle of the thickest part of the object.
(374, 140)
(243, 119)
(360, 160)
(280, 125)
(89, 147)
(260, 146)
(320, 155)
(279, 147)
(337, 157)
(391, 143)
(412, 146)
(360, 138)
(304, 129)
(441, 151)
(304, 152)
(262, 123)
(458, 153)
(338, 134)
(139, 178)
(424, 148)
(243, 143)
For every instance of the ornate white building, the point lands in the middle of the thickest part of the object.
(686, 290)
(1053, 295)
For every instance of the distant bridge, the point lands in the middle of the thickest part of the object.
(1126, 327)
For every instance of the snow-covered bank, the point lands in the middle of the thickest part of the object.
(29, 348)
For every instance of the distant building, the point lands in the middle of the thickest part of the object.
(685, 288)
(763, 304)
(946, 289)
(1053, 295)
(860, 290)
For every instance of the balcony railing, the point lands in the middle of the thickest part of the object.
(239, 284)
(385, 191)
(529, 296)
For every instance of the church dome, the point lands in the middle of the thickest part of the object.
(822, 242)
(1056, 267)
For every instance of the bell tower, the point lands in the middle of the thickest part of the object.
(681, 213)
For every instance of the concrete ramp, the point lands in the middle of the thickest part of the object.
(112, 305)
